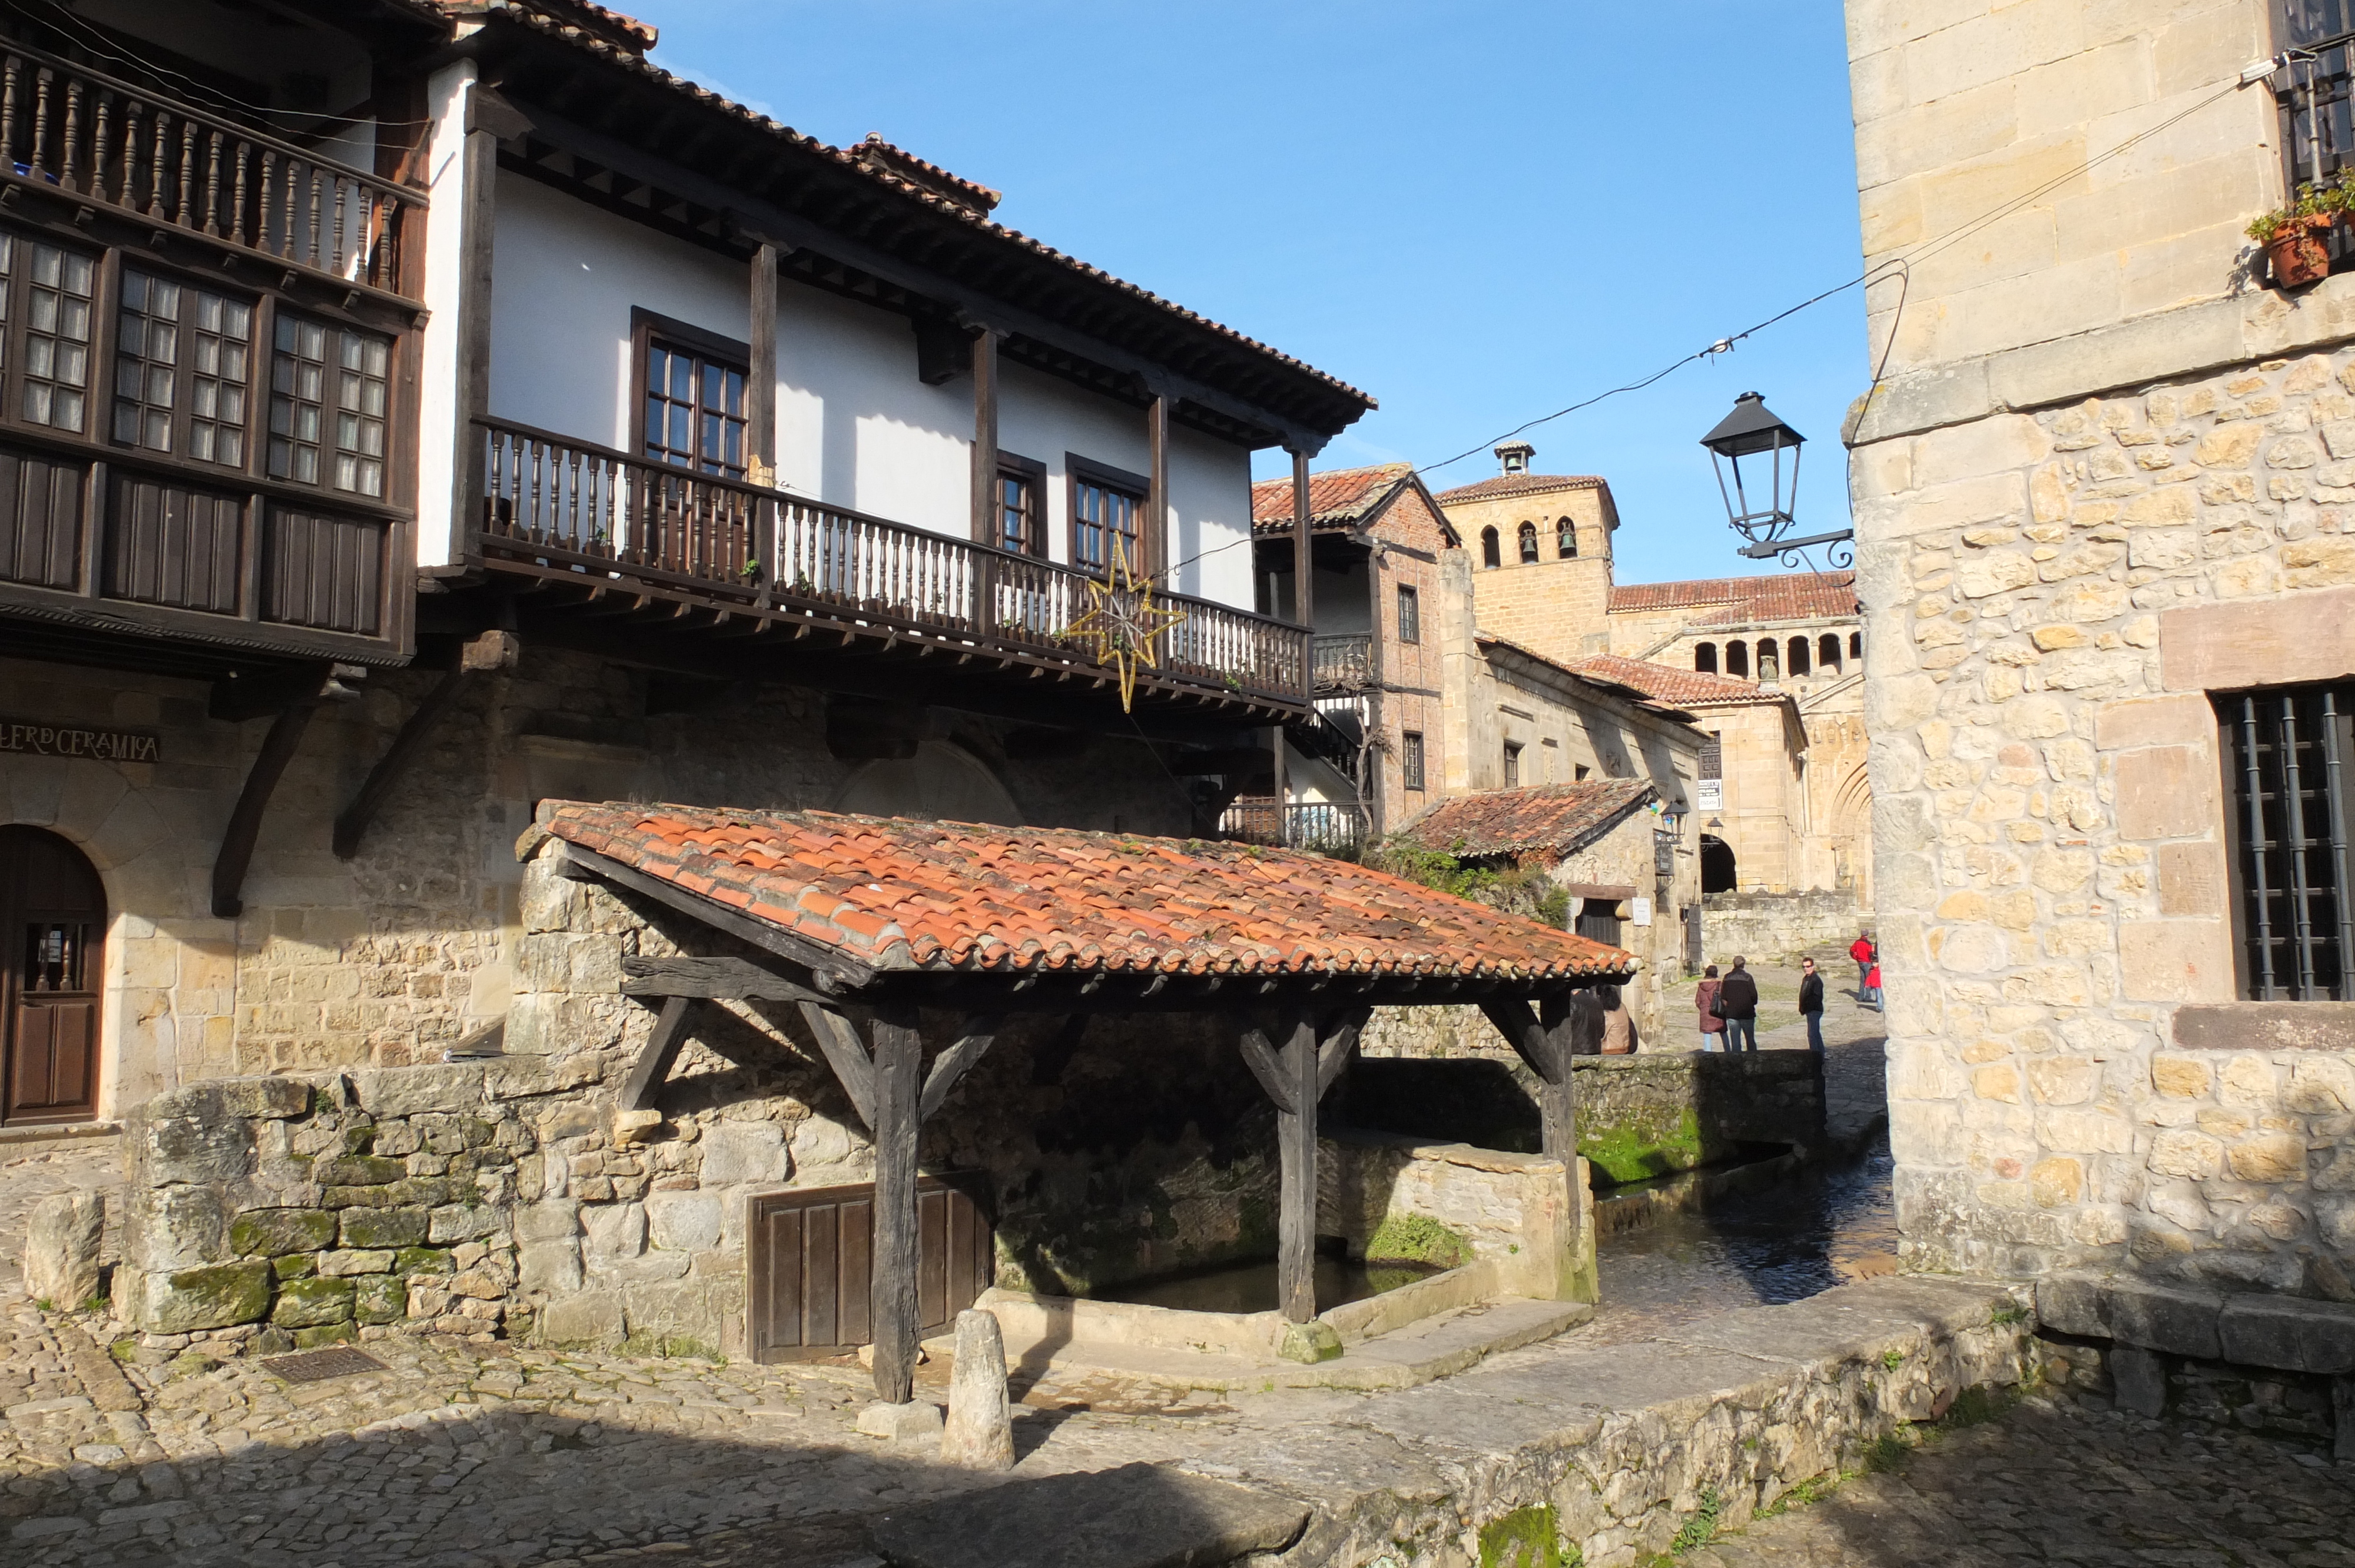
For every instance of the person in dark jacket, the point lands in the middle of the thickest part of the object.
(1811, 1004)
(1737, 1000)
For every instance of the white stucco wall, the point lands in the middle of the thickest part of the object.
(855, 426)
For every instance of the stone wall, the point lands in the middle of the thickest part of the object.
(1637, 1116)
(2054, 596)
(1765, 926)
(389, 958)
(1519, 1212)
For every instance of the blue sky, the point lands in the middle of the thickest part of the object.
(1479, 213)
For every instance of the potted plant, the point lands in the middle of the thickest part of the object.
(2292, 236)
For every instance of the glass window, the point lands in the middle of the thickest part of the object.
(1409, 615)
(1512, 765)
(57, 335)
(329, 393)
(694, 410)
(1101, 516)
(1411, 758)
(2292, 773)
(181, 365)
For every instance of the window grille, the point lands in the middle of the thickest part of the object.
(1409, 615)
(1712, 757)
(2313, 98)
(1411, 759)
(2292, 769)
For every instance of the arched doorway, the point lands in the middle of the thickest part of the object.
(1716, 866)
(53, 923)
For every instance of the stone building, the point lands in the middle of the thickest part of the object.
(1787, 809)
(2107, 553)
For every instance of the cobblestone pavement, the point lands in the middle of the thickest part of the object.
(2067, 1483)
(30, 1173)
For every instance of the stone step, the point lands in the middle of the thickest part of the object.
(1139, 1516)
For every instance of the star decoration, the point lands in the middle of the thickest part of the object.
(1120, 623)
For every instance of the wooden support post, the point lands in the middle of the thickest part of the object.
(487, 116)
(1304, 587)
(899, 1054)
(761, 382)
(492, 651)
(1153, 541)
(1283, 785)
(985, 438)
(646, 1073)
(1292, 1078)
(1545, 1047)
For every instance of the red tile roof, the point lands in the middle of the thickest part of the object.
(1337, 495)
(1667, 683)
(1560, 817)
(524, 14)
(876, 153)
(1796, 598)
(1503, 484)
(892, 894)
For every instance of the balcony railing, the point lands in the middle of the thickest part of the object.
(166, 163)
(1345, 662)
(1324, 827)
(551, 500)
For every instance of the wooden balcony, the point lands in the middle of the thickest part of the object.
(1326, 827)
(605, 525)
(71, 132)
(1345, 662)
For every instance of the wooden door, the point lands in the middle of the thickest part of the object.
(810, 1260)
(53, 922)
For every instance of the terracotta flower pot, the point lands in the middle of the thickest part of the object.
(2295, 253)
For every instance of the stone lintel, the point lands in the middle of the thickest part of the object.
(2308, 635)
(2267, 1026)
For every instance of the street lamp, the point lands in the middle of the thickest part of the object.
(1760, 501)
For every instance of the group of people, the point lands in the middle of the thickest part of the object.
(1728, 1007)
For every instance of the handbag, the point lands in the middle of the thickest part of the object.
(1717, 1004)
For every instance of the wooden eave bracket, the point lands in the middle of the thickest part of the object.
(491, 650)
(293, 696)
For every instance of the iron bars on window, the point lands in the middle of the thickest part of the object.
(2292, 753)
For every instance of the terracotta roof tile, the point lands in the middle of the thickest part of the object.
(1667, 683)
(1560, 817)
(1337, 495)
(953, 896)
(1795, 598)
(1504, 484)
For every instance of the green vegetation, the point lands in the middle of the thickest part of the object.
(1893, 1358)
(1526, 1538)
(1814, 1489)
(1416, 1238)
(1887, 1453)
(1978, 1406)
(1518, 890)
(2006, 1315)
(1701, 1526)
(1625, 1154)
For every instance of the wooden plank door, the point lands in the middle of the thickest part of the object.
(810, 1263)
(53, 922)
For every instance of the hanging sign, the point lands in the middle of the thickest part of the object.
(1709, 794)
(31, 738)
(1643, 914)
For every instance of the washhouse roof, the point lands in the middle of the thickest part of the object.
(1561, 817)
(1667, 683)
(872, 894)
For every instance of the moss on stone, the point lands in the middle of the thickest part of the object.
(1417, 1238)
(214, 1296)
(1526, 1538)
(309, 1303)
(423, 1260)
(295, 1265)
(1633, 1154)
(325, 1334)
(376, 1228)
(360, 1171)
(651, 1346)
(272, 1233)
(380, 1298)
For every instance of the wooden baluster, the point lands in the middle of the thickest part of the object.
(15, 69)
(340, 184)
(159, 166)
(41, 123)
(261, 199)
(212, 182)
(287, 232)
(102, 145)
(237, 218)
(318, 205)
(387, 250)
(187, 172)
(131, 145)
(364, 257)
(69, 177)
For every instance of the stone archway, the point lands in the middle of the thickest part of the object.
(1851, 835)
(941, 782)
(1717, 868)
(52, 978)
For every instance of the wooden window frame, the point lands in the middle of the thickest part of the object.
(1410, 613)
(330, 406)
(645, 326)
(1513, 749)
(1078, 471)
(258, 349)
(1032, 473)
(1411, 760)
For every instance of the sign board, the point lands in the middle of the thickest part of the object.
(1643, 911)
(1708, 794)
(31, 738)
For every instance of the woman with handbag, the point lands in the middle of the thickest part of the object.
(1713, 1026)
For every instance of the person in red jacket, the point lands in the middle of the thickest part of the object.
(1712, 1027)
(1872, 996)
(1862, 951)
